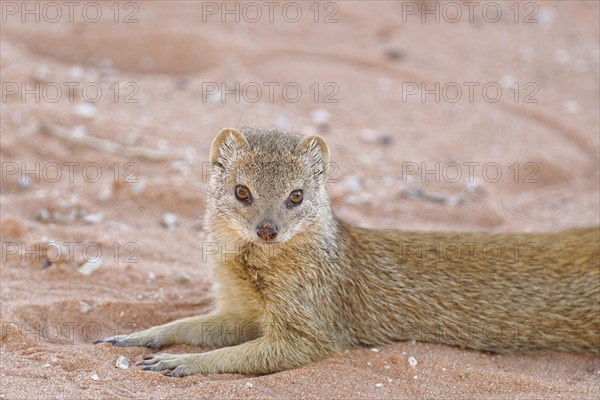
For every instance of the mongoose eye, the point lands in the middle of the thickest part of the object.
(242, 193)
(295, 198)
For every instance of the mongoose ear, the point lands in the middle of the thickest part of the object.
(315, 151)
(227, 143)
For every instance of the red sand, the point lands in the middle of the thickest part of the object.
(50, 316)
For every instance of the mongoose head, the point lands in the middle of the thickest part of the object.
(267, 186)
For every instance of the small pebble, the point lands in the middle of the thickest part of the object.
(562, 56)
(388, 181)
(182, 277)
(162, 144)
(374, 350)
(368, 134)
(180, 166)
(89, 267)
(474, 186)
(412, 361)
(85, 110)
(169, 220)
(92, 218)
(16, 117)
(84, 307)
(385, 84)
(352, 184)
(95, 377)
(571, 107)
(122, 362)
(79, 131)
(507, 80)
(138, 187)
(105, 193)
(42, 73)
(379, 385)
(43, 215)
(320, 117)
(527, 53)
(146, 119)
(452, 201)
(24, 181)
(281, 121)
(76, 71)
(546, 16)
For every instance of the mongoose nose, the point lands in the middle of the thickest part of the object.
(266, 230)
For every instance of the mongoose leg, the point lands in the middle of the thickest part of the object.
(214, 330)
(263, 355)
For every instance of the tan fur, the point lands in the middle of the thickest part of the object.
(326, 285)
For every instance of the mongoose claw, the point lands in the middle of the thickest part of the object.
(111, 341)
(130, 341)
(178, 364)
(154, 345)
(177, 372)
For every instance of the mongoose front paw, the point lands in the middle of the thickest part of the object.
(179, 364)
(135, 339)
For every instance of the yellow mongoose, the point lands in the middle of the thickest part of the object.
(296, 284)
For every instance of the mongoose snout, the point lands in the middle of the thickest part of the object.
(266, 230)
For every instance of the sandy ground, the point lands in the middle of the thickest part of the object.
(357, 78)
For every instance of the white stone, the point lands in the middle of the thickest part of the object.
(89, 267)
(122, 362)
(169, 220)
(320, 116)
(546, 16)
(352, 184)
(85, 110)
(183, 277)
(138, 187)
(368, 134)
(84, 307)
(562, 56)
(76, 72)
(92, 218)
(571, 107)
(105, 193)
